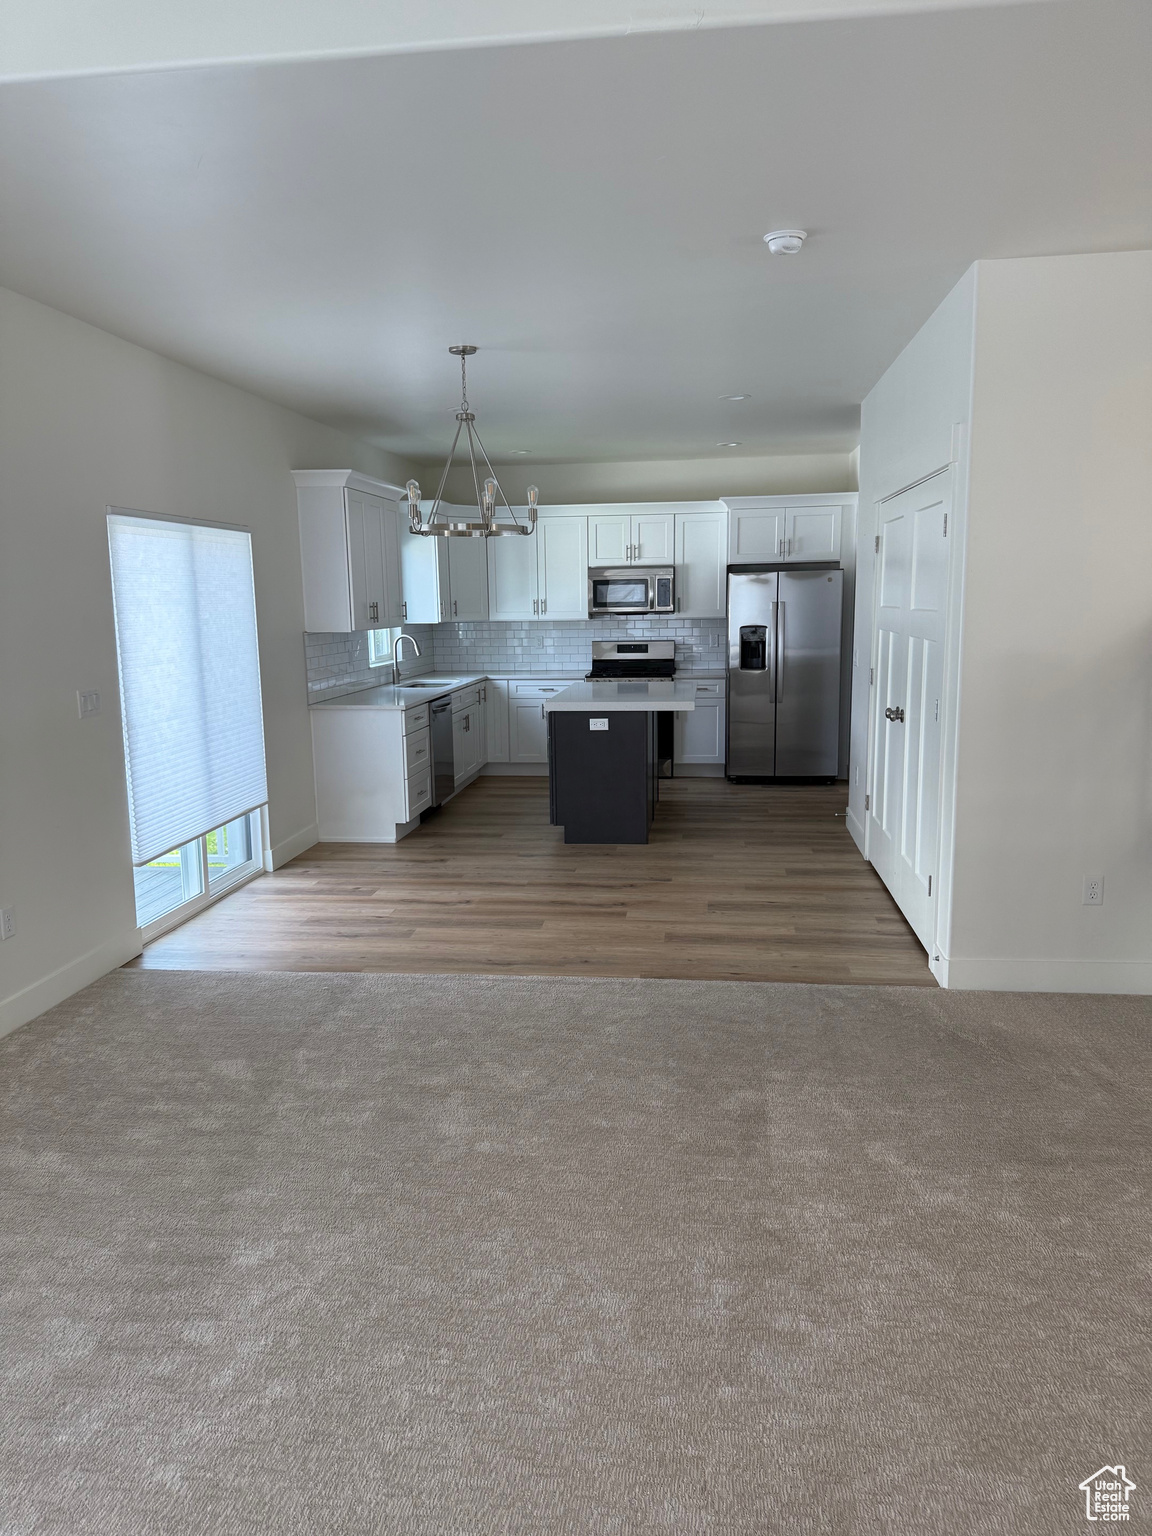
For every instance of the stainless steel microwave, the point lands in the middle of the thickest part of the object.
(631, 589)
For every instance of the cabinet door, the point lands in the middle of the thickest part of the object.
(812, 533)
(468, 578)
(497, 724)
(512, 590)
(609, 537)
(562, 558)
(653, 538)
(424, 569)
(700, 733)
(468, 754)
(364, 520)
(527, 731)
(701, 564)
(393, 610)
(756, 534)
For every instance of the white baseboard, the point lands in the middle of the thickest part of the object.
(293, 846)
(992, 975)
(31, 1001)
(499, 769)
(856, 830)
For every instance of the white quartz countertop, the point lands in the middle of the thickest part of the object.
(403, 695)
(620, 693)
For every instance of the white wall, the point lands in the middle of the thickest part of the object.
(661, 480)
(913, 423)
(87, 420)
(1054, 776)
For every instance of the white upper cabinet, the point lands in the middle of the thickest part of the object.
(348, 550)
(609, 538)
(631, 536)
(468, 578)
(562, 567)
(701, 564)
(768, 529)
(512, 577)
(813, 533)
(426, 578)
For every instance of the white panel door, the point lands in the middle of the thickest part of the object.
(701, 564)
(812, 533)
(512, 592)
(912, 585)
(653, 538)
(756, 534)
(562, 556)
(609, 535)
(468, 577)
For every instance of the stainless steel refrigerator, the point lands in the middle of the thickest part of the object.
(784, 671)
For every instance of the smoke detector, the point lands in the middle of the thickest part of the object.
(785, 242)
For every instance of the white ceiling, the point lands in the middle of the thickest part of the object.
(588, 212)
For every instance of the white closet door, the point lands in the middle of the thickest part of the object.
(912, 585)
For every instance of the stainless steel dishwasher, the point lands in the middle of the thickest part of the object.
(443, 754)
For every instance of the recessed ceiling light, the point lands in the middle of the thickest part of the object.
(785, 242)
(727, 445)
(520, 452)
(735, 397)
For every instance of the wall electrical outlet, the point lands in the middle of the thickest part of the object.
(1093, 890)
(7, 922)
(88, 704)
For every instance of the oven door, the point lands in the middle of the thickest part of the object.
(619, 591)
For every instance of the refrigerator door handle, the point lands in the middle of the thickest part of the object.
(779, 652)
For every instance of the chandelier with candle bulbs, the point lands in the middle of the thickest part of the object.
(489, 496)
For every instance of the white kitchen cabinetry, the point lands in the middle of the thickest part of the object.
(512, 579)
(785, 528)
(467, 735)
(701, 564)
(527, 725)
(632, 536)
(562, 567)
(699, 737)
(443, 578)
(373, 771)
(496, 720)
(349, 552)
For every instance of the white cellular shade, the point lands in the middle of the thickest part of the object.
(189, 678)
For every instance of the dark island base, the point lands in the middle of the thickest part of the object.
(603, 783)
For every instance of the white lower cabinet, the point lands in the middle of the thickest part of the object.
(699, 734)
(467, 733)
(373, 771)
(527, 724)
(496, 719)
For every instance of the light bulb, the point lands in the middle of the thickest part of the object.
(413, 489)
(533, 496)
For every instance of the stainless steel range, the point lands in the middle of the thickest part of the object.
(633, 658)
(641, 658)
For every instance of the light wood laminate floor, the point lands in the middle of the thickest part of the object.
(743, 882)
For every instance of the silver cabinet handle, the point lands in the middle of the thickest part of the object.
(543, 605)
(404, 611)
(779, 546)
(467, 722)
(374, 611)
(894, 714)
(453, 607)
(541, 711)
(536, 605)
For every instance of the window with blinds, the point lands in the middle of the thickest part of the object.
(189, 678)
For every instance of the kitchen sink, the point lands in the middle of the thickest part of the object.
(433, 682)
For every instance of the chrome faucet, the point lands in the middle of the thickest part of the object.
(396, 654)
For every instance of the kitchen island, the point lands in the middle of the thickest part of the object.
(602, 755)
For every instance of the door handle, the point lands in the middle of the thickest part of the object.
(779, 652)
(894, 714)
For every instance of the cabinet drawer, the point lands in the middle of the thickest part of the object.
(465, 698)
(535, 690)
(418, 791)
(710, 688)
(415, 719)
(417, 752)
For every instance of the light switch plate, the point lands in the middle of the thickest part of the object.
(598, 725)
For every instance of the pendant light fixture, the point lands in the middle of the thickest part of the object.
(489, 495)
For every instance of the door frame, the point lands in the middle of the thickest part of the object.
(938, 950)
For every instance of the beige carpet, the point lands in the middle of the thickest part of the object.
(447, 1256)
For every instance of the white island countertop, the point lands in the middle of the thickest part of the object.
(641, 695)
